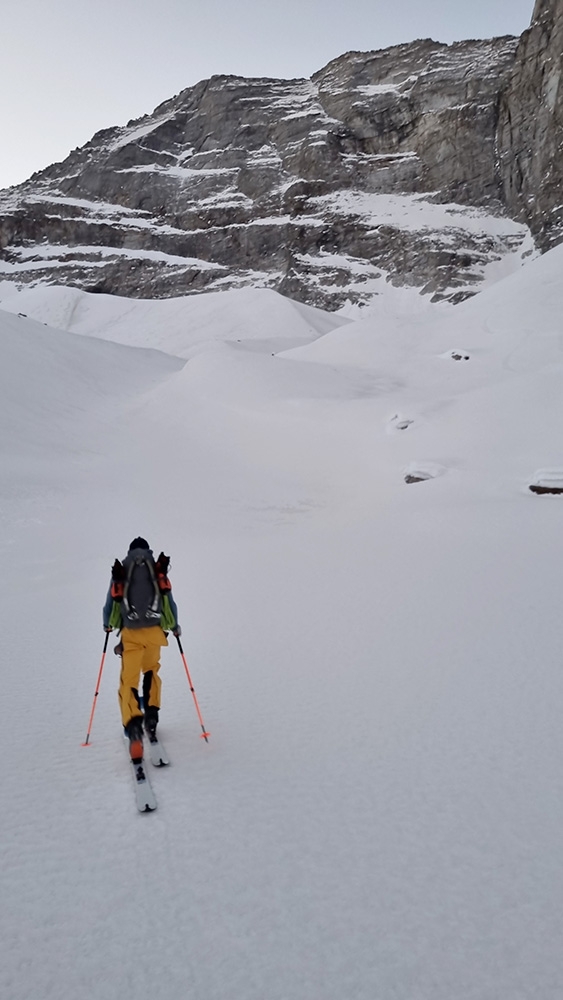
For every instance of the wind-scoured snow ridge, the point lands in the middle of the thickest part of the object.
(250, 316)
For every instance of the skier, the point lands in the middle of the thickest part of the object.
(140, 604)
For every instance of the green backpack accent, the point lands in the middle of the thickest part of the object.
(167, 619)
(115, 616)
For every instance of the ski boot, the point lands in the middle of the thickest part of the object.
(134, 732)
(151, 722)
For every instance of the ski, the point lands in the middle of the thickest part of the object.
(146, 801)
(157, 753)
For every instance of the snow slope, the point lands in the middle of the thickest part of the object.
(173, 325)
(378, 813)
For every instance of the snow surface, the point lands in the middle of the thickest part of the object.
(40, 252)
(414, 212)
(374, 89)
(178, 326)
(378, 812)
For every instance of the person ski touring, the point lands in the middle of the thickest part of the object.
(140, 605)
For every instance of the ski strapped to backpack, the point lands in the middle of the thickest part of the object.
(159, 609)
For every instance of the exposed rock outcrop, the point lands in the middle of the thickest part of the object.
(420, 164)
(530, 131)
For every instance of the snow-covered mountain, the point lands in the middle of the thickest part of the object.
(364, 519)
(370, 596)
(423, 164)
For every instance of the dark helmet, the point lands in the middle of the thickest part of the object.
(139, 543)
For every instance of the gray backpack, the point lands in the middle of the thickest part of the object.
(140, 589)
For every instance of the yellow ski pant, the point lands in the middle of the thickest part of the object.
(141, 654)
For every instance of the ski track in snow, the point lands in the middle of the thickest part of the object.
(378, 812)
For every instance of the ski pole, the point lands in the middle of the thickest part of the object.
(204, 735)
(87, 740)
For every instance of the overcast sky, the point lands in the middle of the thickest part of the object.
(71, 67)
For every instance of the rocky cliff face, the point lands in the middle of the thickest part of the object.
(403, 164)
(530, 131)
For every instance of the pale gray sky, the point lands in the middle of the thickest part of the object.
(71, 67)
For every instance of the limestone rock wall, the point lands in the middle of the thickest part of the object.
(530, 130)
(421, 164)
